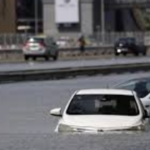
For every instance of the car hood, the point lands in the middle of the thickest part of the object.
(103, 122)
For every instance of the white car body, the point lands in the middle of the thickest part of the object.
(131, 84)
(100, 123)
(146, 101)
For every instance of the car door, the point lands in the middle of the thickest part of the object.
(145, 120)
(51, 46)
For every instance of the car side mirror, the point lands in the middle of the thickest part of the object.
(146, 113)
(56, 112)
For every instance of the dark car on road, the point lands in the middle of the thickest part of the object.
(129, 45)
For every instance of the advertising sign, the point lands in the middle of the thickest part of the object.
(66, 11)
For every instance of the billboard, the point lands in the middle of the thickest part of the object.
(66, 11)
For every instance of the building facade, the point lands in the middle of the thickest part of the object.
(119, 16)
(73, 16)
(20, 16)
(7, 16)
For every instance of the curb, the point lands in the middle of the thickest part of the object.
(64, 73)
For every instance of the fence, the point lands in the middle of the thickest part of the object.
(16, 41)
(12, 41)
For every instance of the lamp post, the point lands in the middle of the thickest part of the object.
(103, 21)
(36, 15)
(98, 35)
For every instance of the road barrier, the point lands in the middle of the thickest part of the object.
(16, 55)
(71, 72)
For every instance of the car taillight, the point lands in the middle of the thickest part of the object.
(26, 45)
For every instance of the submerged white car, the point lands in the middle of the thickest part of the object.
(99, 110)
(141, 86)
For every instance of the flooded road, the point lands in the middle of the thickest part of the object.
(25, 122)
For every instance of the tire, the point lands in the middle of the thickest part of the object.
(46, 58)
(116, 54)
(26, 58)
(55, 57)
(143, 50)
(136, 53)
(144, 53)
(124, 54)
(34, 57)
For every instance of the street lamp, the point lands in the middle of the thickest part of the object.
(103, 21)
(98, 35)
(36, 15)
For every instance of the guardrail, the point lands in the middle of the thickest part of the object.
(63, 73)
(107, 51)
(13, 41)
(11, 45)
(16, 55)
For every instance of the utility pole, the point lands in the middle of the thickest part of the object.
(103, 21)
(98, 29)
(36, 16)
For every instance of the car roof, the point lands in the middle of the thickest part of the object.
(33, 38)
(127, 38)
(140, 79)
(147, 79)
(39, 36)
(104, 91)
(36, 37)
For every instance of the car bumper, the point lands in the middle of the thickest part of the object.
(62, 128)
(38, 53)
(120, 50)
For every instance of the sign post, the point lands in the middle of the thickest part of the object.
(36, 16)
(103, 21)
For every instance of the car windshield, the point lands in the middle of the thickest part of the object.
(36, 40)
(127, 40)
(103, 105)
(130, 40)
(122, 40)
(142, 87)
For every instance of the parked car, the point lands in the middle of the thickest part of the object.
(129, 45)
(99, 110)
(38, 46)
(139, 85)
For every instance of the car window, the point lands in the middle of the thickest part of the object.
(122, 41)
(128, 85)
(103, 105)
(142, 88)
(148, 85)
(37, 40)
(50, 41)
(131, 40)
(127, 40)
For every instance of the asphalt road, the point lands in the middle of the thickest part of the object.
(25, 123)
(33, 65)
